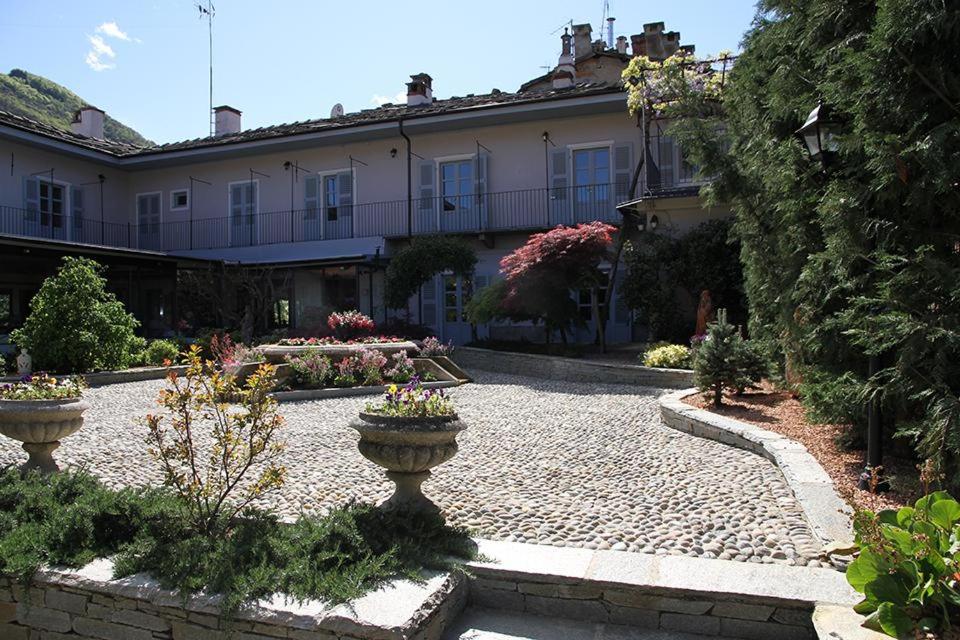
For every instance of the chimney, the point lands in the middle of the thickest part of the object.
(419, 90)
(582, 40)
(638, 45)
(88, 122)
(565, 74)
(226, 119)
(622, 44)
(653, 36)
(610, 40)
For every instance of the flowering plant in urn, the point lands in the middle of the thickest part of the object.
(410, 432)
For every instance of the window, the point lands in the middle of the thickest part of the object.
(450, 299)
(584, 299)
(148, 213)
(456, 184)
(51, 205)
(330, 200)
(179, 199)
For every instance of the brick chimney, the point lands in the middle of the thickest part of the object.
(653, 37)
(582, 43)
(565, 75)
(622, 44)
(88, 122)
(419, 90)
(226, 120)
(638, 45)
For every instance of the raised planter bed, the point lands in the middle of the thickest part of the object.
(100, 378)
(422, 365)
(569, 369)
(278, 353)
(89, 603)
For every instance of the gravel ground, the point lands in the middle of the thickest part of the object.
(543, 462)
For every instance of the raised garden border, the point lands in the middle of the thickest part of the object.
(138, 374)
(88, 603)
(345, 392)
(570, 369)
(827, 514)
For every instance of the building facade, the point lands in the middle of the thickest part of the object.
(331, 200)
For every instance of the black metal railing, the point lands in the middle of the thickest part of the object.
(520, 210)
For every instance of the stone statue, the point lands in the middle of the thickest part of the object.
(24, 363)
(704, 312)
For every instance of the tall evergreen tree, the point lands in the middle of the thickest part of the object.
(862, 258)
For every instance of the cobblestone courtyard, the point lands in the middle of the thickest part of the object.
(542, 462)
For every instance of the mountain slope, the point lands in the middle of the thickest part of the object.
(34, 96)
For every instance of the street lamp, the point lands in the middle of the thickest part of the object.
(819, 134)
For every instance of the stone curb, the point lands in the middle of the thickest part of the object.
(570, 369)
(834, 622)
(101, 378)
(315, 394)
(829, 517)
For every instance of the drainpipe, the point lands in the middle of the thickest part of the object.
(409, 179)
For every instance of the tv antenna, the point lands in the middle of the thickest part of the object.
(208, 12)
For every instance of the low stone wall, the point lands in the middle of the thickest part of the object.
(707, 614)
(829, 517)
(88, 605)
(570, 369)
(100, 378)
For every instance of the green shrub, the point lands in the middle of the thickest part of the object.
(76, 325)
(724, 360)
(71, 519)
(907, 567)
(158, 352)
(669, 356)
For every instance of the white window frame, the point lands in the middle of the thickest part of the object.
(438, 180)
(173, 193)
(256, 209)
(67, 214)
(322, 194)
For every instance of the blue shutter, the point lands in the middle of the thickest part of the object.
(311, 197)
(559, 188)
(666, 161)
(622, 172)
(345, 193)
(621, 313)
(427, 207)
(31, 199)
(76, 206)
(429, 291)
(482, 188)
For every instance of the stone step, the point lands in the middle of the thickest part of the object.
(493, 624)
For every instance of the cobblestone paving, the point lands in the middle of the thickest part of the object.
(543, 462)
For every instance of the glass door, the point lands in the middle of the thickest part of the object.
(457, 292)
(52, 209)
(591, 184)
(148, 220)
(243, 214)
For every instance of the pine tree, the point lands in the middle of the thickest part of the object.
(724, 360)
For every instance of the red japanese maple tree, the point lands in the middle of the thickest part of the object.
(541, 274)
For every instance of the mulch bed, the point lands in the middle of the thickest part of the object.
(778, 411)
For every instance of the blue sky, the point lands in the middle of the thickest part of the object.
(145, 62)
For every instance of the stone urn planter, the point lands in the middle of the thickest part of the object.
(408, 448)
(39, 425)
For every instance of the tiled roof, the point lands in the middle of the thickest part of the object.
(385, 113)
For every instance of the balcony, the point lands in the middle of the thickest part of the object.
(522, 210)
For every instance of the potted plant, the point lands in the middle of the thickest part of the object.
(412, 431)
(39, 411)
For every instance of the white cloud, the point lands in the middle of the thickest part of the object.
(379, 100)
(112, 30)
(98, 51)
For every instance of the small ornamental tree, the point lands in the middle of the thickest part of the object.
(219, 458)
(76, 325)
(541, 274)
(724, 360)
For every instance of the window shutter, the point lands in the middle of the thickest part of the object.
(236, 204)
(429, 291)
(622, 171)
(426, 185)
(345, 193)
(76, 206)
(559, 186)
(31, 199)
(666, 161)
(482, 187)
(311, 197)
